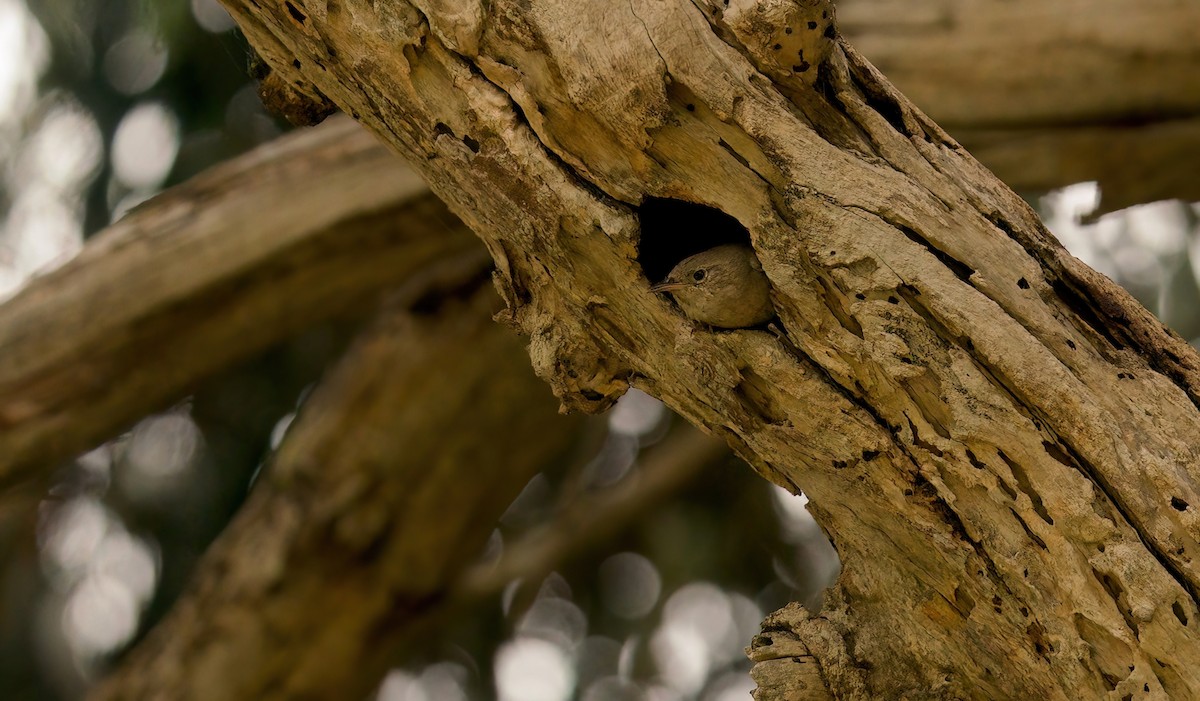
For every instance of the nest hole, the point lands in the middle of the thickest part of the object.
(674, 229)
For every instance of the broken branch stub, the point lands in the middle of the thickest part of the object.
(991, 432)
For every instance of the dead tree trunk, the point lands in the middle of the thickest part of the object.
(999, 441)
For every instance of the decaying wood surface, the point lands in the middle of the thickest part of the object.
(998, 439)
(343, 552)
(205, 275)
(1041, 93)
(1046, 93)
(1085, 119)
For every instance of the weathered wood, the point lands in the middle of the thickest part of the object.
(996, 437)
(203, 276)
(784, 669)
(388, 483)
(1046, 95)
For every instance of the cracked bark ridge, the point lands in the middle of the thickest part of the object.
(284, 99)
(996, 438)
(786, 670)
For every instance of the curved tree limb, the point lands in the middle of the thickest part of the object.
(166, 664)
(989, 430)
(388, 483)
(204, 275)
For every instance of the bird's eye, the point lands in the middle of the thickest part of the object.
(699, 275)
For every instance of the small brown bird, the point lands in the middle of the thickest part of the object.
(723, 287)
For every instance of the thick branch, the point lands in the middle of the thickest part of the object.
(580, 525)
(207, 274)
(1046, 95)
(989, 430)
(389, 482)
(1021, 61)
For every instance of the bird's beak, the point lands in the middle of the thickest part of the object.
(667, 286)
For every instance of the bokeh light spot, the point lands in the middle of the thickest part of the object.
(159, 452)
(211, 16)
(529, 669)
(145, 145)
(635, 414)
(70, 534)
(63, 153)
(135, 62)
(554, 619)
(100, 615)
(629, 585)
(399, 685)
(24, 56)
(129, 560)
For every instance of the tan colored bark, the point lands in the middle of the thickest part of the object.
(205, 275)
(784, 669)
(995, 436)
(389, 482)
(1047, 93)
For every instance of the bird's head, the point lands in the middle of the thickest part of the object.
(714, 269)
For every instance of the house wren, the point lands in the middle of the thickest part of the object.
(723, 287)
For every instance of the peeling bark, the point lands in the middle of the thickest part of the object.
(997, 438)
